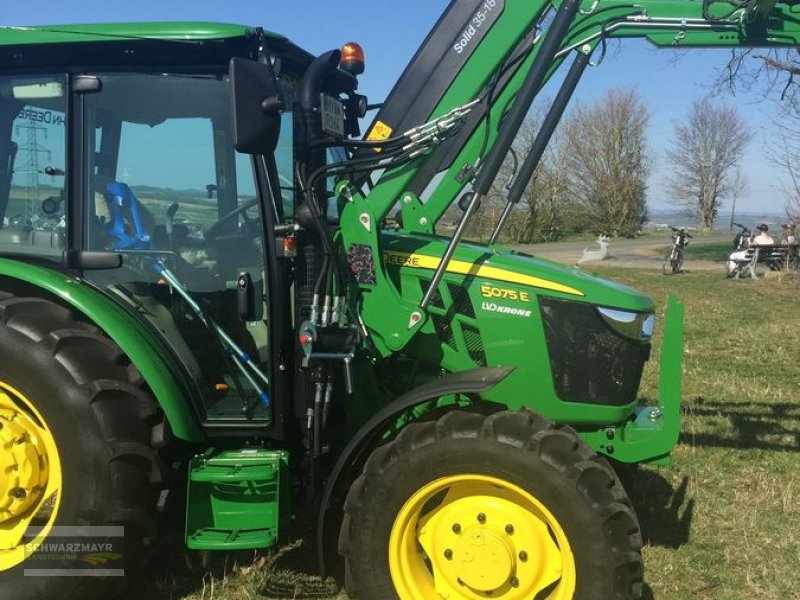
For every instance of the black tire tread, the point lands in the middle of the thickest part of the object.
(557, 445)
(131, 423)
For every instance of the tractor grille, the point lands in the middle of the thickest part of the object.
(472, 337)
(443, 330)
(590, 361)
(461, 300)
(453, 318)
(436, 298)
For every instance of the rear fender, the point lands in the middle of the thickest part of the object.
(134, 340)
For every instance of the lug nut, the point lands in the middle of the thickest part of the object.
(481, 518)
(19, 493)
(456, 528)
(523, 556)
(509, 529)
(448, 554)
(514, 582)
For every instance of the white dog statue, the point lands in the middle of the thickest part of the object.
(599, 254)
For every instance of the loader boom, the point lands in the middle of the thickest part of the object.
(505, 52)
(479, 70)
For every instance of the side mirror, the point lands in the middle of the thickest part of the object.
(255, 106)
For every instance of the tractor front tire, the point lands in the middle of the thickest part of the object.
(78, 439)
(508, 506)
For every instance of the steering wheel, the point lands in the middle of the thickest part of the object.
(16, 221)
(250, 226)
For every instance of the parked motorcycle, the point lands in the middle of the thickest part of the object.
(738, 260)
(673, 261)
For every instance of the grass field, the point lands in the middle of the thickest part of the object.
(711, 251)
(722, 523)
(716, 251)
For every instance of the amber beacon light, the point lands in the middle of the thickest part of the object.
(352, 58)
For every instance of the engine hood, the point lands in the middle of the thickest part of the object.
(505, 266)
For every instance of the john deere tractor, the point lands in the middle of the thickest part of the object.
(220, 302)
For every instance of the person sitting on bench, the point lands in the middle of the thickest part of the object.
(787, 234)
(763, 238)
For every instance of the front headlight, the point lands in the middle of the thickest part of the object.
(634, 325)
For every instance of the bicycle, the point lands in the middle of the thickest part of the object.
(673, 261)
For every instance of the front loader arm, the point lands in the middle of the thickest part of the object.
(511, 41)
(481, 56)
(682, 24)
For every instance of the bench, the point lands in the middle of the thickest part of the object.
(778, 257)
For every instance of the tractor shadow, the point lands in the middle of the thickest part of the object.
(284, 573)
(753, 424)
(647, 593)
(665, 513)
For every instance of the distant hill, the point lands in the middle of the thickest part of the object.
(723, 222)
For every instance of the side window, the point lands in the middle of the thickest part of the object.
(246, 192)
(177, 189)
(33, 158)
(163, 191)
(245, 182)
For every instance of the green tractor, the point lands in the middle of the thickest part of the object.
(219, 300)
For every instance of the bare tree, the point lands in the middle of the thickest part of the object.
(705, 152)
(784, 150)
(739, 187)
(775, 72)
(609, 161)
(537, 217)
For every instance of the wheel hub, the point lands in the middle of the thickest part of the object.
(23, 461)
(485, 560)
(30, 477)
(473, 537)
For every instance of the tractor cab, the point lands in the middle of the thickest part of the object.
(119, 160)
(174, 296)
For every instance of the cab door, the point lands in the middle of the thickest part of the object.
(170, 194)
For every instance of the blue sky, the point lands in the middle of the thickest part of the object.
(390, 32)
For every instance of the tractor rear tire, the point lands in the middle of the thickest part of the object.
(504, 506)
(75, 387)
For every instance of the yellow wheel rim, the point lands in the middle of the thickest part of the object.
(478, 537)
(30, 477)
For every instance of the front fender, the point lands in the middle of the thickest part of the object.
(475, 381)
(143, 350)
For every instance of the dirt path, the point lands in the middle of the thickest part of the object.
(637, 253)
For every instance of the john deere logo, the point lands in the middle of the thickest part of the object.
(99, 558)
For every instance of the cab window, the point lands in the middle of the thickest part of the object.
(32, 161)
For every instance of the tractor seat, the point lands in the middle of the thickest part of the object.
(124, 224)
